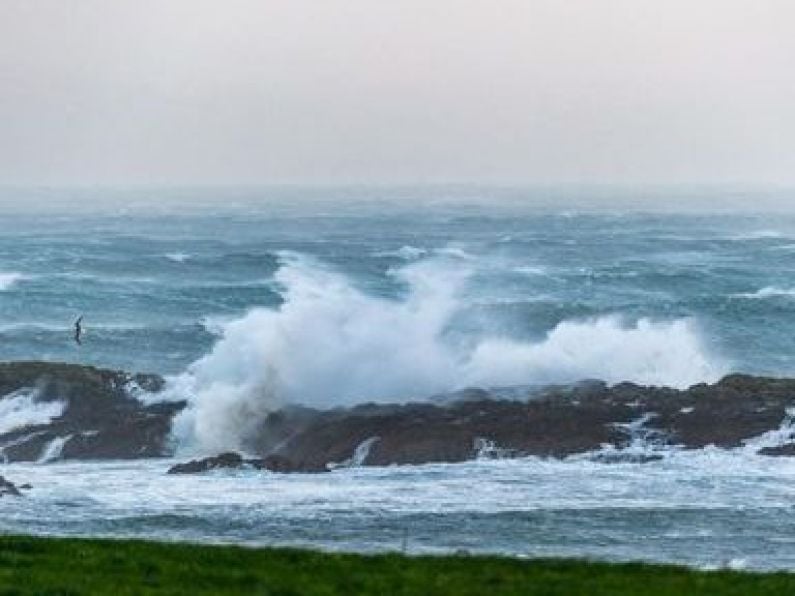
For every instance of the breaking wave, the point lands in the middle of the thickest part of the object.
(177, 257)
(22, 408)
(330, 343)
(9, 280)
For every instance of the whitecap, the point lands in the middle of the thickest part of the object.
(177, 257)
(530, 270)
(768, 292)
(456, 253)
(406, 252)
(9, 280)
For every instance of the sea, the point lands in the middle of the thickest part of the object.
(250, 299)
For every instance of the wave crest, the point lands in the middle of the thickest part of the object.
(769, 292)
(331, 344)
(9, 280)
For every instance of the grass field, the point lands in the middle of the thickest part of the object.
(75, 566)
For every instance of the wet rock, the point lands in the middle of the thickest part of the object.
(8, 488)
(235, 461)
(619, 457)
(101, 417)
(228, 461)
(554, 422)
(280, 463)
(787, 450)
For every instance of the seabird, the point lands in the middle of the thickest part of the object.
(78, 330)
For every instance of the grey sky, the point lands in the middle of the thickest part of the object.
(340, 91)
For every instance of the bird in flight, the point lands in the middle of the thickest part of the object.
(78, 330)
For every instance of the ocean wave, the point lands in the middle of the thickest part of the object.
(177, 257)
(330, 344)
(783, 435)
(530, 271)
(768, 292)
(455, 253)
(406, 252)
(765, 234)
(10, 279)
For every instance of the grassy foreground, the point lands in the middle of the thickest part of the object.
(74, 566)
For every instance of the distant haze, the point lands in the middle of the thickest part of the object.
(251, 92)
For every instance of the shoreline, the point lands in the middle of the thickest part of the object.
(67, 412)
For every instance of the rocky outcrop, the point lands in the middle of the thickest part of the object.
(99, 418)
(551, 422)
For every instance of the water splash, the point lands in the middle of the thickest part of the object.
(52, 450)
(331, 344)
(22, 408)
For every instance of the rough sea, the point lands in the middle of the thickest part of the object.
(341, 297)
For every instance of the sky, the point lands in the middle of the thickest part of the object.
(542, 92)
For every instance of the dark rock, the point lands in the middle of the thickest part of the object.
(623, 457)
(280, 463)
(235, 461)
(230, 460)
(8, 488)
(787, 450)
(101, 417)
(553, 422)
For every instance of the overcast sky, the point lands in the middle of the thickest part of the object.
(412, 91)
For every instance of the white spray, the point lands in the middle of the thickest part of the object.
(330, 343)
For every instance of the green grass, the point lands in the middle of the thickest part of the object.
(74, 566)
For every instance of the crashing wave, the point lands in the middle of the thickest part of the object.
(22, 408)
(359, 456)
(643, 443)
(52, 450)
(331, 344)
(782, 436)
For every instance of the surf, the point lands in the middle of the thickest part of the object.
(330, 344)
